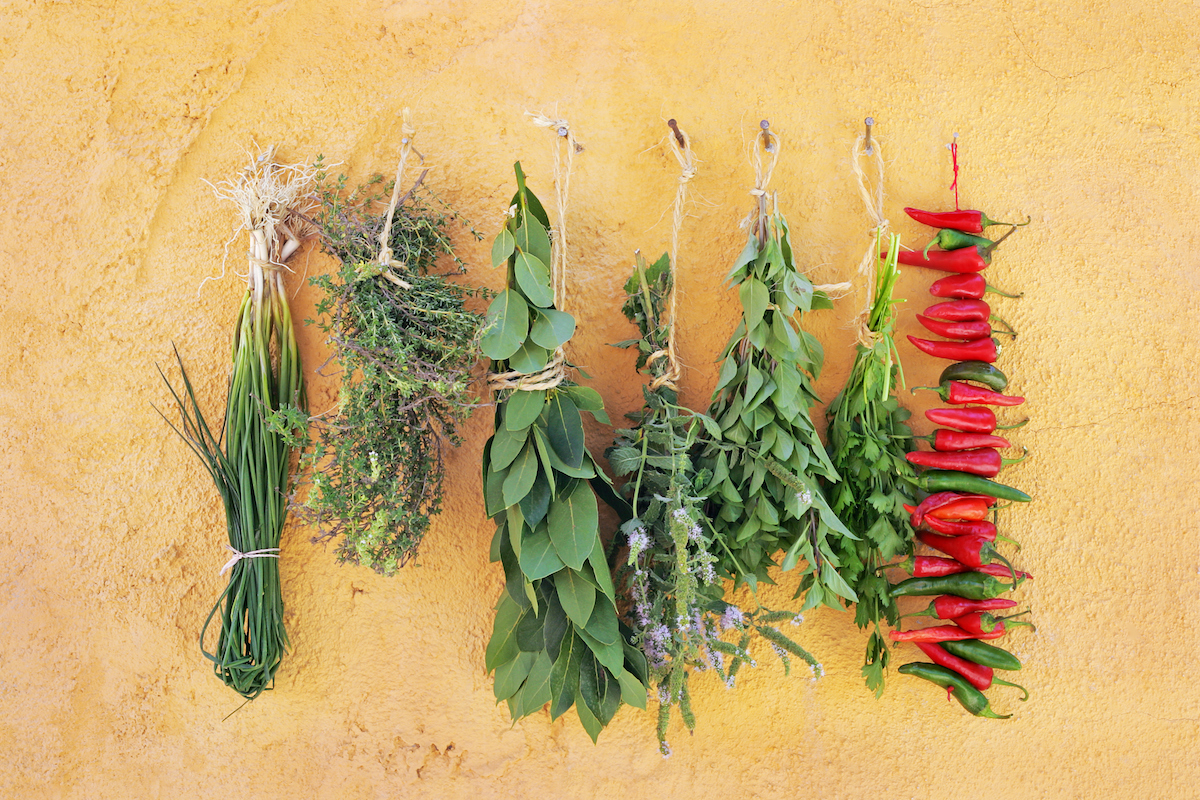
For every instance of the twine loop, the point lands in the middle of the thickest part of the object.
(550, 376)
(386, 260)
(238, 555)
(873, 200)
(555, 371)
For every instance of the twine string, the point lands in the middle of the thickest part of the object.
(872, 197)
(238, 555)
(681, 148)
(555, 371)
(386, 258)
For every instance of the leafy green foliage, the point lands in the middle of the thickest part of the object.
(669, 584)
(405, 355)
(766, 471)
(556, 638)
(868, 439)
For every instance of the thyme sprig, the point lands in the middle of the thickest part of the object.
(405, 343)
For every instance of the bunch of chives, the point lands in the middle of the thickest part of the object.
(266, 394)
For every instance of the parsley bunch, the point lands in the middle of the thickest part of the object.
(868, 439)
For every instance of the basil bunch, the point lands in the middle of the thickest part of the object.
(557, 638)
(868, 439)
(767, 471)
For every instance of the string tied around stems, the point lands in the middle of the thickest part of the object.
(238, 555)
(386, 261)
(871, 191)
(555, 371)
(681, 148)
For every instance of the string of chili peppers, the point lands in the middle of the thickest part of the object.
(967, 581)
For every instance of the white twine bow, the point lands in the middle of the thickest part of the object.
(238, 555)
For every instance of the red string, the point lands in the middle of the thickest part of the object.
(954, 155)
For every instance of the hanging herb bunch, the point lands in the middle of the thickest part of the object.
(557, 638)
(249, 460)
(767, 470)
(405, 343)
(673, 592)
(868, 440)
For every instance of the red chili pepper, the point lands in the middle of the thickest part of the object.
(940, 633)
(984, 623)
(965, 331)
(974, 551)
(960, 394)
(950, 500)
(950, 441)
(978, 350)
(986, 462)
(936, 567)
(971, 285)
(949, 606)
(960, 311)
(969, 221)
(955, 506)
(949, 527)
(972, 420)
(977, 675)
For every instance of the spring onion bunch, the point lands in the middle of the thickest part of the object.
(249, 460)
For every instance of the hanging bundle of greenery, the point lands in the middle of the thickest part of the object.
(767, 470)
(557, 638)
(869, 437)
(251, 468)
(405, 343)
(673, 593)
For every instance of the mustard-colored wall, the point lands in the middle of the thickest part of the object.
(112, 116)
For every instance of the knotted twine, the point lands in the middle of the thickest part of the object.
(873, 200)
(687, 171)
(757, 221)
(386, 260)
(555, 371)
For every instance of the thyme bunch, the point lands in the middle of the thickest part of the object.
(405, 344)
(672, 591)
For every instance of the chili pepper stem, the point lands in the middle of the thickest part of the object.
(1011, 330)
(996, 243)
(989, 288)
(1014, 685)
(1020, 424)
(1009, 540)
(1024, 455)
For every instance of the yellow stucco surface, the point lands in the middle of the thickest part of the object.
(114, 112)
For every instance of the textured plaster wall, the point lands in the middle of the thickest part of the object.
(112, 115)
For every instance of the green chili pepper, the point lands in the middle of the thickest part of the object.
(983, 653)
(971, 585)
(946, 480)
(967, 695)
(976, 371)
(950, 239)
